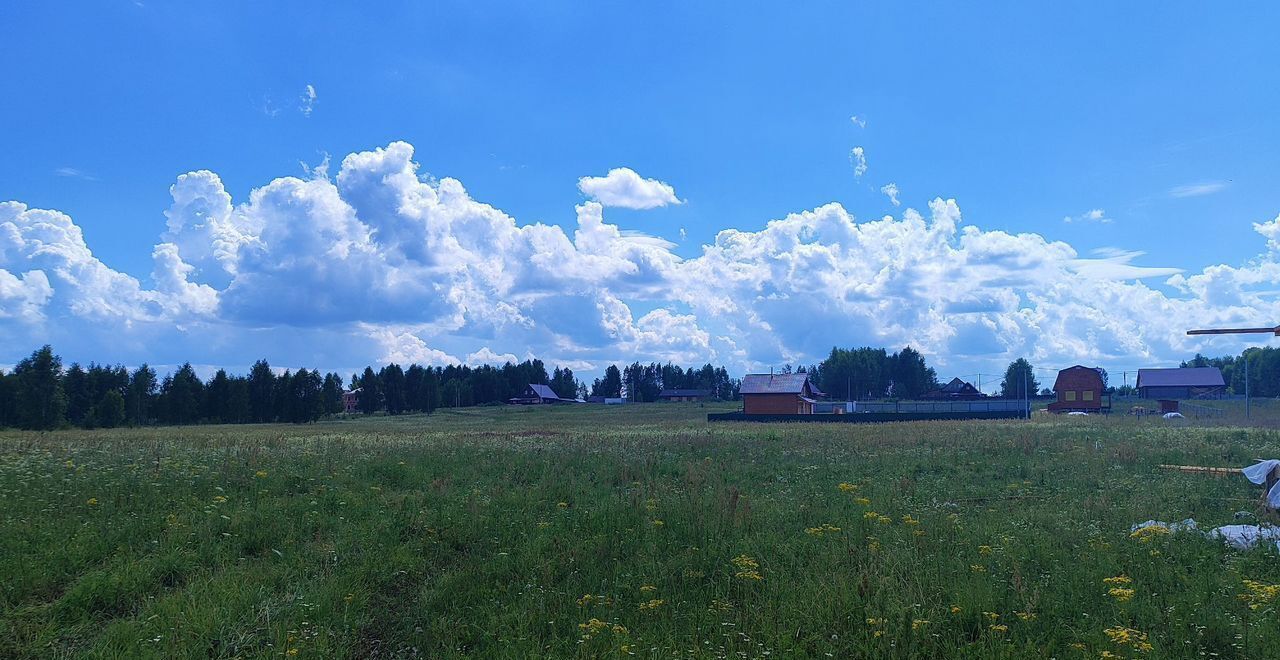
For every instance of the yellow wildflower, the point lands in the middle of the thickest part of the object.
(825, 528)
(884, 520)
(1026, 616)
(219, 499)
(658, 523)
(870, 515)
(908, 520)
(748, 568)
(1145, 534)
(261, 474)
(917, 624)
(991, 615)
(562, 505)
(652, 604)
(1259, 594)
(984, 549)
(875, 622)
(956, 609)
(999, 627)
(846, 487)
(1121, 594)
(647, 588)
(977, 568)
(1121, 636)
(863, 501)
(585, 600)
(1117, 580)
(92, 501)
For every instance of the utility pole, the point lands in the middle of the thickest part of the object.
(1246, 384)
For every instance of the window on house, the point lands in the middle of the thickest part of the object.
(1088, 395)
(1071, 395)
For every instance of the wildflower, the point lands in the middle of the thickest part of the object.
(658, 523)
(92, 501)
(1026, 616)
(1121, 594)
(291, 652)
(870, 515)
(1077, 646)
(71, 463)
(562, 505)
(219, 499)
(1259, 594)
(977, 568)
(984, 549)
(846, 487)
(875, 622)
(618, 629)
(748, 568)
(956, 609)
(1145, 534)
(917, 624)
(991, 615)
(878, 633)
(1117, 580)
(1121, 636)
(999, 627)
(542, 524)
(651, 504)
(261, 474)
(908, 520)
(821, 530)
(873, 544)
(884, 520)
(585, 600)
(652, 604)
(863, 501)
(648, 588)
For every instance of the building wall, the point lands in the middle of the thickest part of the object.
(1178, 392)
(772, 404)
(1078, 389)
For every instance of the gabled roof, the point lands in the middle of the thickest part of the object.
(774, 383)
(678, 392)
(1076, 368)
(1187, 377)
(543, 391)
(956, 386)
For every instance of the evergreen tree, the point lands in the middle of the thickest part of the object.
(8, 386)
(75, 383)
(238, 409)
(370, 392)
(1019, 376)
(183, 396)
(140, 396)
(108, 413)
(40, 401)
(217, 399)
(331, 394)
(429, 396)
(391, 379)
(611, 385)
(262, 387)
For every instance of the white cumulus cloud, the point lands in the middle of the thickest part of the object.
(891, 191)
(623, 188)
(858, 157)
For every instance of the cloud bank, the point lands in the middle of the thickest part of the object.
(382, 263)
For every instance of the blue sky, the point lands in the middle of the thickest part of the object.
(1151, 126)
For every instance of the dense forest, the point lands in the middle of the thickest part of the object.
(1264, 367)
(41, 394)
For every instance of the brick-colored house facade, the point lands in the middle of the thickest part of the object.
(777, 394)
(1079, 388)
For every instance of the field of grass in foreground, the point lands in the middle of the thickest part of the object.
(620, 531)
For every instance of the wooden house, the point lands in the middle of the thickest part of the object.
(778, 394)
(1186, 383)
(956, 390)
(684, 395)
(1080, 388)
(351, 401)
(537, 393)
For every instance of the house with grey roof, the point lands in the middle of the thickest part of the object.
(1184, 383)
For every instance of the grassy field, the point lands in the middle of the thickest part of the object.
(619, 531)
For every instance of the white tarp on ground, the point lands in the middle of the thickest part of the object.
(1243, 537)
(1257, 473)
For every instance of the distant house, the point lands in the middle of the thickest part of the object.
(684, 395)
(778, 394)
(351, 401)
(537, 393)
(956, 390)
(1188, 383)
(1080, 388)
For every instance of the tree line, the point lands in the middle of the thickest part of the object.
(1264, 365)
(40, 394)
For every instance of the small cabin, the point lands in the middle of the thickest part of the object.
(1080, 389)
(684, 395)
(956, 390)
(537, 393)
(1184, 383)
(778, 394)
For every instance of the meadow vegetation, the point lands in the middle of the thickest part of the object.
(595, 531)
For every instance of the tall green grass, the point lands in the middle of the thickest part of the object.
(610, 532)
